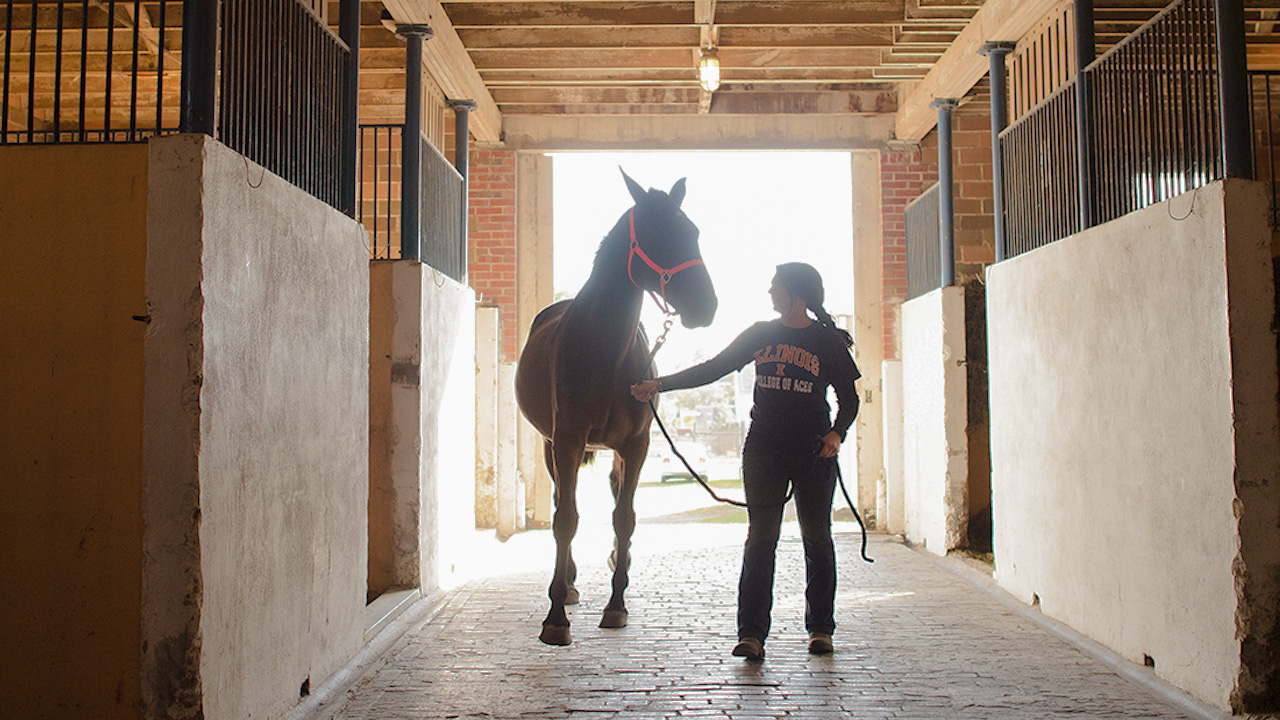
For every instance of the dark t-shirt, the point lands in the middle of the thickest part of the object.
(794, 367)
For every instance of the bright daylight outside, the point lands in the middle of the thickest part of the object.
(754, 211)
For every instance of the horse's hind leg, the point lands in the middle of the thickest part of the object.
(568, 456)
(571, 596)
(623, 481)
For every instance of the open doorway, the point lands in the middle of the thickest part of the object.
(754, 211)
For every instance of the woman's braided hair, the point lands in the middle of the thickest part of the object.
(805, 282)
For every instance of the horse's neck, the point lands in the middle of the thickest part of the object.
(609, 303)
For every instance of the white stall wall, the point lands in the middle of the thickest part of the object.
(934, 419)
(1114, 355)
(434, 394)
(256, 439)
(889, 502)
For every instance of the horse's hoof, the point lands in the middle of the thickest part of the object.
(571, 597)
(556, 635)
(614, 619)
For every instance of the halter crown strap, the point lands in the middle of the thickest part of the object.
(664, 274)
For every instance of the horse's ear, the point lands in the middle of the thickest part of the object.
(637, 192)
(677, 192)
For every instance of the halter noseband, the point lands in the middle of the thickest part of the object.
(664, 274)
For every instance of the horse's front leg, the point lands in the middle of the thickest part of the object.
(568, 456)
(571, 595)
(623, 481)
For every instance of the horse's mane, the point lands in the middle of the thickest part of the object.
(618, 228)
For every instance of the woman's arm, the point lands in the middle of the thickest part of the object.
(843, 380)
(734, 356)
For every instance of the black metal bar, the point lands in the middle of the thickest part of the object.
(461, 145)
(8, 47)
(111, 36)
(160, 70)
(133, 88)
(31, 79)
(349, 32)
(996, 52)
(84, 67)
(411, 139)
(1085, 50)
(57, 77)
(946, 196)
(1233, 88)
(199, 65)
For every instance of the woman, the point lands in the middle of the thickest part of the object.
(792, 440)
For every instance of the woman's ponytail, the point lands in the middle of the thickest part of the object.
(827, 321)
(804, 281)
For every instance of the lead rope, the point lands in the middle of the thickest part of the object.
(666, 328)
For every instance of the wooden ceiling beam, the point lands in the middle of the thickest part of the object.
(961, 67)
(565, 38)
(567, 14)
(446, 59)
(713, 131)
(572, 76)
(880, 99)
(668, 58)
(664, 37)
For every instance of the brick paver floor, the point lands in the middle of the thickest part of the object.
(914, 641)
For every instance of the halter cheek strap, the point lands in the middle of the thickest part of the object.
(664, 274)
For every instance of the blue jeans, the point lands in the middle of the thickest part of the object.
(765, 475)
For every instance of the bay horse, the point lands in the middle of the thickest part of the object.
(582, 356)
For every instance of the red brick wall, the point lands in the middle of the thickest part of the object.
(904, 174)
(492, 236)
(974, 197)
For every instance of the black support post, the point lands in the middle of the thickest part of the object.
(1086, 51)
(461, 161)
(946, 194)
(995, 52)
(199, 92)
(349, 33)
(411, 137)
(1233, 89)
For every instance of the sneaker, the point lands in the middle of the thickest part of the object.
(749, 648)
(819, 643)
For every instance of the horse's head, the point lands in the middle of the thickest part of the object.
(664, 256)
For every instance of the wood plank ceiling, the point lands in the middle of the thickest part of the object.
(611, 57)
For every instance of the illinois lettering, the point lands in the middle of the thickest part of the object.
(788, 355)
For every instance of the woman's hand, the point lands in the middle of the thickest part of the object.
(830, 442)
(644, 391)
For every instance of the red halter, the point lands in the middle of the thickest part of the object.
(664, 275)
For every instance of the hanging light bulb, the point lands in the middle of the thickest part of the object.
(709, 70)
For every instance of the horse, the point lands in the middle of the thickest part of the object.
(583, 354)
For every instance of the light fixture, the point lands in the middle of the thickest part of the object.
(709, 69)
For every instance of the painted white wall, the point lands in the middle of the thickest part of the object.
(488, 353)
(511, 494)
(889, 501)
(1118, 358)
(257, 435)
(934, 418)
(434, 412)
(868, 330)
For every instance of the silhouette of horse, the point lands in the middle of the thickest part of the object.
(583, 354)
